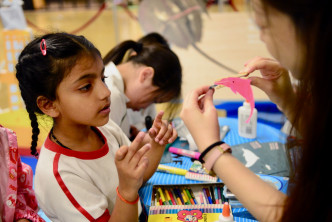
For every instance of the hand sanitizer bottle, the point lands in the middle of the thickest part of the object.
(247, 129)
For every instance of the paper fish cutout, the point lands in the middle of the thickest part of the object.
(241, 86)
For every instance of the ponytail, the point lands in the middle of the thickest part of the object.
(117, 54)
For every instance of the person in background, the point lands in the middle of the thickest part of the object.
(141, 119)
(298, 35)
(151, 73)
(87, 168)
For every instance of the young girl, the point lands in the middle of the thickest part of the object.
(151, 74)
(140, 119)
(85, 171)
(298, 35)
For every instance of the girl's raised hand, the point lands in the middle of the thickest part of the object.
(275, 80)
(131, 164)
(161, 131)
(200, 117)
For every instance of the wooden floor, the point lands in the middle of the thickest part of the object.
(229, 37)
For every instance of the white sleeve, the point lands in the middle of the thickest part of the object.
(112, 130)
(84, 201)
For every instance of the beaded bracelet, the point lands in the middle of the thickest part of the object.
(124, 200)
(208, 149)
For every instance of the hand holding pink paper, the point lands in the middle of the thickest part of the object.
(241, 86)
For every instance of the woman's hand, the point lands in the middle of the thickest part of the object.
(200, 116)
(131, 164)
(161, 131)
(275, 81)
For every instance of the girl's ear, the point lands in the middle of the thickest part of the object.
(146, 73)
(47, 106)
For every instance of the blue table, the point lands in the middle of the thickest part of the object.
(265, 133)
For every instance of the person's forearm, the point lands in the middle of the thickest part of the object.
(124, 212)
(259, 197)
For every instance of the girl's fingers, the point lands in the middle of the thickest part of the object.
(161, 133)
(152, 133)
(142, 166)
(139, 155)
(174, 136)
(164, 139)
(208, 101)
(134, 146)
(158, 120)
(121, 153)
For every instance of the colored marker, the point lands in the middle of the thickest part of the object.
(215, 191)
(208, 195)
(201, 199)
(184, 197)
(189, 196)
(158, 199)
(171, 196)
(173, 170)
(162, 196)
(192, 195)
(219, 194)
(168, 197)
(180, 195)
(178, 200)
(184, 152)
(212, 195)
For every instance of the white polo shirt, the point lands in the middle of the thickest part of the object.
(79, 186)
(114, 82)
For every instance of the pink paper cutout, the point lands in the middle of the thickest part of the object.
(241, 86)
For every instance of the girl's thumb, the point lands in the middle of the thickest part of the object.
(208, 100)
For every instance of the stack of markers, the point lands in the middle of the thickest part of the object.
(193, 194)
(188, 201)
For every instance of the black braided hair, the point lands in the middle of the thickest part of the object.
(35, 133)
(40, 75)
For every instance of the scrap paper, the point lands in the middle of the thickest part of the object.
(241, 86)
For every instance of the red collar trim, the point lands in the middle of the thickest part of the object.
(50, 145)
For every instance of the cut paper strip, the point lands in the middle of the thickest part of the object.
(241, 86)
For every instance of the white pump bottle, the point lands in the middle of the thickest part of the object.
(247, 129)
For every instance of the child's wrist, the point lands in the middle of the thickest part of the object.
(127, 197)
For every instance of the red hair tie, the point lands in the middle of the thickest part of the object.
(43, 47)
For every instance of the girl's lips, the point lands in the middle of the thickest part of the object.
(106, 109)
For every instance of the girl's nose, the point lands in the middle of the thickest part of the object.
(105, 92)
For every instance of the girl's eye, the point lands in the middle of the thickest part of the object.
(85, 88)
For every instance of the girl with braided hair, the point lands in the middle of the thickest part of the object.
(87, 168)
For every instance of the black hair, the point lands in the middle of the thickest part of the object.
(40, 75)
(311, 114)
(153, 38)
(153, 50)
